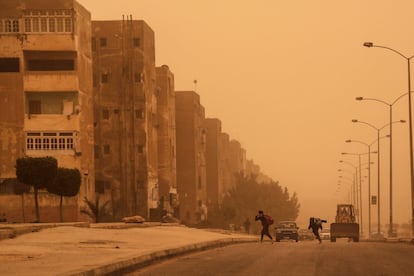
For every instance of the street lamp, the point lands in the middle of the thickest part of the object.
(352, 190)
(378, 162)
(390, 232)
(408, 59)
(355, 191)
(360, 185)
(369, 177)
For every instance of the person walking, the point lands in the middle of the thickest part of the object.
(247, 225)
(315, 225)
(265, 225)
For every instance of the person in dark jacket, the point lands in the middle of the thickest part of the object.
(315, 225)
(265, 225)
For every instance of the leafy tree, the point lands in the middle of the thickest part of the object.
(248, 196)
(38, 172)
(95, 210)
(20, 189)
(67, 183)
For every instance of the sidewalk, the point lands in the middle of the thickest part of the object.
(51, 249)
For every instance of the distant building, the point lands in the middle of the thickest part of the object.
(46, 102)
(215, 189)
(237, 160)
(167, 169)
(227, 176)
(191, 163)
(126, 124)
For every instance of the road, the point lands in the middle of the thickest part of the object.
(290, 258)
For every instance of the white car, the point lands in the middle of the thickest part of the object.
(325, 234)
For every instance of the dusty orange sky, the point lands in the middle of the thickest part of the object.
(282, 76)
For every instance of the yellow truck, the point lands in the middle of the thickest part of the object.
(345, 225)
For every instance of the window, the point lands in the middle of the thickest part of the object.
(136, 42)
(35, 25)
(50, 141)
(107, 149)
(68, 25)
(59, 25)
(102, 42)
(139, 114)
(9, 65)
(105, 114)
(8, 26)
(43, 25)
(60, 103)
(199, 182)
(137, 77)
(104, 78)
(93, 44)
(27, 25)
(15, 26)
(140, 149)
(100, 187)
(35, 107)
(50, 21)
(97, 151)
(51, 65)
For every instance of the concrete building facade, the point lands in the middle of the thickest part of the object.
(126, 124)
(46, 102)
(167, 169)
(215, 189)
(191, 162)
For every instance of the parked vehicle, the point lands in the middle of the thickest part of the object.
(306, 235)
(287, 230)
(325, 234)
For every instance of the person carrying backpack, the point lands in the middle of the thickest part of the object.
(315, 224)
(266, 221)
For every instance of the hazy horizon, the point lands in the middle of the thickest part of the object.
(282, 76)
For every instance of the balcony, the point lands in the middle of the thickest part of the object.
(51, 81)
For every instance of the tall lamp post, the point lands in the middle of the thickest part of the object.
(408, 59)
(390, 231)
(353, 181)
(369, 178)
(360, 186)
(352, 191)
(378, 161)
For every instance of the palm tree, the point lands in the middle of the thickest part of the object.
(94, 210)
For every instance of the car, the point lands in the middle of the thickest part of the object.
(306, 235)
(325, 234)
(286, 230)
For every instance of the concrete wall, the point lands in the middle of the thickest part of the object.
(14, 88)
(166, 139)
(126, 115)
(191, 163)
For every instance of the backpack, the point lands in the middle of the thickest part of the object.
(269, 219)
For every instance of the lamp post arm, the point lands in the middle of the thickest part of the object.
(357, 141)
(368, 124)
(391, 49)
(400, 97)
(388, 124)
(377, 100)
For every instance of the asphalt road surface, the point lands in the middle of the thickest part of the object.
(290, 258)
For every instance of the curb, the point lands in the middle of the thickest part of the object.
(132, 264)
(12, 231)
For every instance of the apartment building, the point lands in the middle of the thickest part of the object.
(167, 169)
(237, 160)
(214, 167)
(46, 103)
(225, 161)
(191, 162)
(126, 122)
